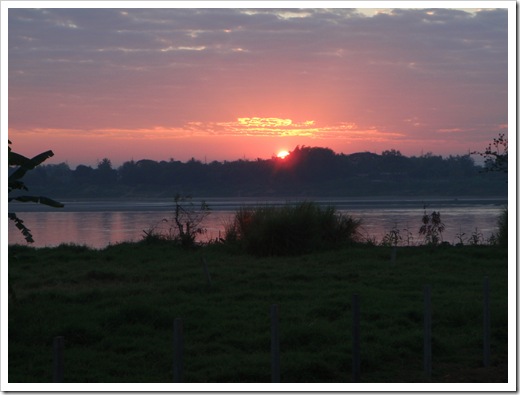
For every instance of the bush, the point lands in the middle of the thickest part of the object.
(291, 229)
(183, 228)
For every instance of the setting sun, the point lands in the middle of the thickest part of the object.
(282, 154)
(232, 90)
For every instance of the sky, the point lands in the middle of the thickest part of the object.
(234, 83)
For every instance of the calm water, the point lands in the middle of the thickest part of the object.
(103, 222)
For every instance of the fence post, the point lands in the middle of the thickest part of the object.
(275, 345)
(178, 350)
(206, 271)
(487, 324)
(57, 360)
(356, 361)
(427, 332)
(393, 254)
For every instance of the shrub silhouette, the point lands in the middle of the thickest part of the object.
(184, 226)
(432, 228)
(291, 229)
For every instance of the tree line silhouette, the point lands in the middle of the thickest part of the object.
(306, 171)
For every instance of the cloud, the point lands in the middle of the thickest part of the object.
(453, 130)
(439, 36)
(131, 69)
(242, 127)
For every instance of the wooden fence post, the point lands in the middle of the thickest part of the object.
(393, 254)
(178, 351)
(487, 324)
(206, 271)
(57, 359)
(275, 345)
(427, 332)
(356, 354)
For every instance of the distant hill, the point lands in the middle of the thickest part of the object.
(307, 171)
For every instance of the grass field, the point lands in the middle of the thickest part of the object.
(115, 308)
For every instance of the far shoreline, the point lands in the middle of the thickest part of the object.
(86, 204)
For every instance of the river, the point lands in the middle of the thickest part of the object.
(99, 223)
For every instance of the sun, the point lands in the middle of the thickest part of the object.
(282, 154)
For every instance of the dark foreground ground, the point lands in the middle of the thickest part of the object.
(115, 309)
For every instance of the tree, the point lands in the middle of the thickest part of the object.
(495, 155)
(495, 160)
(188, 219)
(432, 228)
(82, 174)
(23, 165)
(391, 152)
(185, 224)
(59, 174)
(105, 175)
(105, 165)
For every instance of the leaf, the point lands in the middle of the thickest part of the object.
(16, 159)
(19, 173)
(42, 157)
(25, 163)
(38, 199)
(26, 232)
(16, 184)
(50, 202)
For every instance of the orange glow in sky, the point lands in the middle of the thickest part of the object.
(226, 84)
(264, 122)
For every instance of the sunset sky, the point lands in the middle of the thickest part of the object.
(232, 83)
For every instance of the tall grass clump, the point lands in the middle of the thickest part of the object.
(291, 229)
